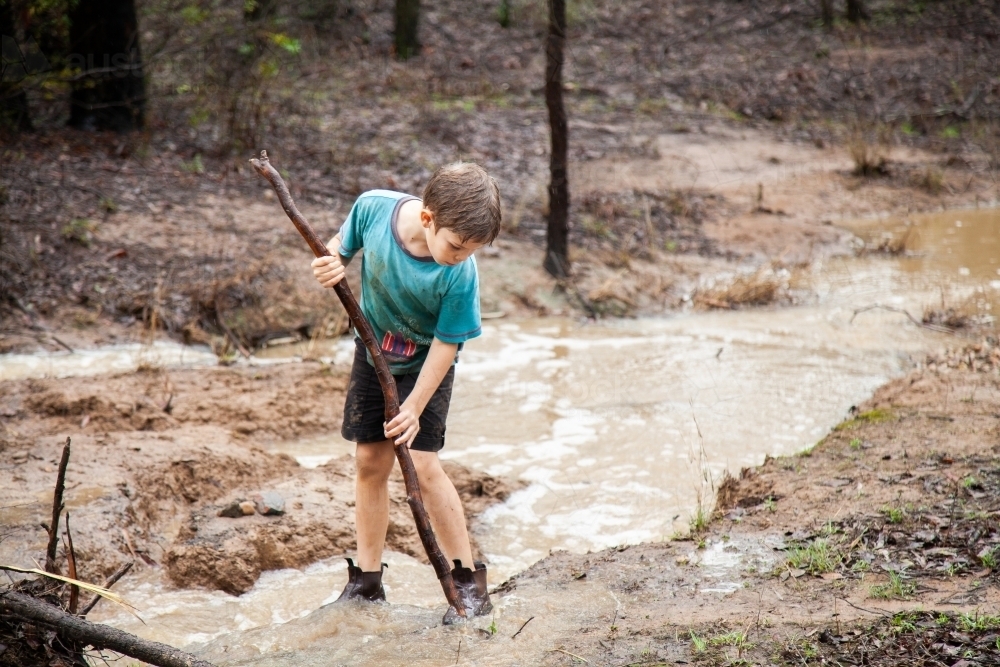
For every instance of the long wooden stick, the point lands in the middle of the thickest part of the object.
(95, 634)
(385, 378)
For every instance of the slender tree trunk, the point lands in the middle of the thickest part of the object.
(557, 246)
(13, 102)
(104, 45)
(407, 22)
(856, 11)
(826, 11)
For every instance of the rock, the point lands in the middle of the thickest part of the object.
(233, 510)
(247, 508)
(269, 503)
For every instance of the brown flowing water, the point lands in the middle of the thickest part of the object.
(619, 430)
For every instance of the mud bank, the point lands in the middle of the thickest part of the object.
(875, 547)
(159, 453)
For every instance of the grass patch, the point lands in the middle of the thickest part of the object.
(896, 588)
(876, 416)
(817, 557)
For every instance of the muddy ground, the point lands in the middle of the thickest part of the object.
(156, 455)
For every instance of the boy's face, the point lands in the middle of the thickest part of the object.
(445, 245)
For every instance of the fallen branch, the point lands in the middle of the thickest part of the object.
(57, 507)
(891, 309)
(94, 634)
(385, 379)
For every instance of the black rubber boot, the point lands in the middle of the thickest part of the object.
(472, 591)
(363, 585)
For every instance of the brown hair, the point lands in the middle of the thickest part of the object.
(466, 200)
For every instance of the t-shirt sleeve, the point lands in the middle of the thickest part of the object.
(459, 318)
(352, 231)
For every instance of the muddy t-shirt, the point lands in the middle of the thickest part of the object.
(408, 300)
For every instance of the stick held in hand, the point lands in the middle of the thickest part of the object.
(413, 498)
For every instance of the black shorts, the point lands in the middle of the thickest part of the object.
(364, 409)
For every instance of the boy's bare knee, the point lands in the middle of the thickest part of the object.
(374, 461)
(427, 465)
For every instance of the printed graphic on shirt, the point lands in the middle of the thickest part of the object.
(397, 346)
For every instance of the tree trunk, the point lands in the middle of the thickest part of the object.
(557, 246)
(826, 11)
(13, 102)
(104, 45)
(856, 11)
(407, 22)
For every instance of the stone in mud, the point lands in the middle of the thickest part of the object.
(233, 510)
(269, 503)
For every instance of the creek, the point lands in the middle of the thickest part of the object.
(620, 430)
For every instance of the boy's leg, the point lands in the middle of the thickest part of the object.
(374, 462)
(443, 506)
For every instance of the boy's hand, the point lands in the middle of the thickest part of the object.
(328, 270)
(405, 425)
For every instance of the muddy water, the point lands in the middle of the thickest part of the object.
(112, 359)
(618, 429)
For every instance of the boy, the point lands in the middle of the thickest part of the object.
(420, 292)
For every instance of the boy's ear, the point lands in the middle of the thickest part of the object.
(426, 218)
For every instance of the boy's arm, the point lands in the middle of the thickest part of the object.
(405, 426)
(330, 270)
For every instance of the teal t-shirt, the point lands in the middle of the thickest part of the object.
(408, 300)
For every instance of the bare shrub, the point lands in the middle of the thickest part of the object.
(931, 180)
(869, 148)
(768, 284)
(892, 243)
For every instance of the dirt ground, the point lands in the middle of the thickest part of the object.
(877, 547)
(157, 454)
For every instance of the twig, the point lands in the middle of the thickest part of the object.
(878, 306)
(231, 336)
(57, 507)
(74, 591)
(578, 657)
(458, 654)
(867, 611)
(112, 580)
(522, 627)
(385, 378)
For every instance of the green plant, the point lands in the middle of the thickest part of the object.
(697, 643)
(699, 520)
(856, 443)
(989, 558)
(950, 132)
(973, 622)
(108, 205)
(195, 166)
(896, 588)
(80, 230)
(493, 625)
(817, 557)
(876, 416)
(907, 128)
(894, 514)
(770, 505)
(969, 482)
(503, 14)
